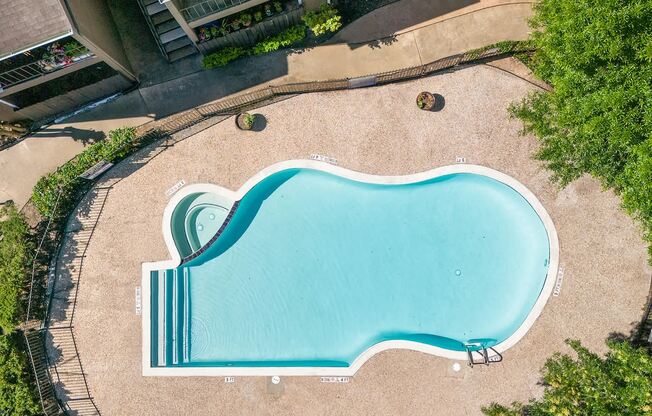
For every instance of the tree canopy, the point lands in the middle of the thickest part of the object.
(597, 56)
(618, 384)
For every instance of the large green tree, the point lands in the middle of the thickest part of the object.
(597, 56)
(590, 385)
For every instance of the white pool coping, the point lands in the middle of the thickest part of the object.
(536, 310)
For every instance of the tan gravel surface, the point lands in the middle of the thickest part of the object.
(375, 130)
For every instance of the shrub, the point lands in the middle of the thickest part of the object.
(118, 145)
(598, 58)
(286, 38)
(326, 20)
(17, 397)
(223, 57)
(619, 384)
(15, 250)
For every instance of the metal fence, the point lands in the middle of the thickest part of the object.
(208, 7)
(155, 132)
(42, 67)
(249, 36)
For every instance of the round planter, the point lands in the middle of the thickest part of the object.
(426, 101)
(240, 122)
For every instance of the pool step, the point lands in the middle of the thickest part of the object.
(172, 317)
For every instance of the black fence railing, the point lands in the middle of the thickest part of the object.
(181, 125)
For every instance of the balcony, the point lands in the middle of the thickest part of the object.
(194, 10)
(42, 62)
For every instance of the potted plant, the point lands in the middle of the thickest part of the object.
(258, 16)
(235, 24)
(268, 10)
(203, 34)
(215, 32)
(425, 101)
(245, 18)
(245, 121)
(278, 6)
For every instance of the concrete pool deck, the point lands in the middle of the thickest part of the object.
(377, 131)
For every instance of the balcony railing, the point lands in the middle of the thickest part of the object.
(207, 7)
(42, 67)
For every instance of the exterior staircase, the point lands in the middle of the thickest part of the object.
(172, 41)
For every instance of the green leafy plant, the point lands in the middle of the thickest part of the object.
(597, 56)
(286, 38)
(619, 384)
(245, 18)
(66, 178)
(223, 56)
(326, 20)
(17, 396)
(278, 6)
(258, 16)
(249, 120)
(15, 252)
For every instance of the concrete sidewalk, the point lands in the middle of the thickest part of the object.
(455, 28)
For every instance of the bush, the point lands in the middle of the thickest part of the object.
(326, 20)
(17, 397)
(619, 384)
(118, 145)
(223, 57)
(598, 58)
(15, 250)
(284, 39)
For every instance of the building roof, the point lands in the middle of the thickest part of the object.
(28, 23)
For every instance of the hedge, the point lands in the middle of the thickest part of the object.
(326, 20)
(66, 177)
(15, 250)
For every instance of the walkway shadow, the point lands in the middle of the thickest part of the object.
(392, 18)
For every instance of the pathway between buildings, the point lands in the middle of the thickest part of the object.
(407, 33)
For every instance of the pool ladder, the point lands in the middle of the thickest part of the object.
(481, 350)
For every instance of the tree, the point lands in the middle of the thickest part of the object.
(619, 384)
(598, 119)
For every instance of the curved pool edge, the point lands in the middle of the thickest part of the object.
(176, 259)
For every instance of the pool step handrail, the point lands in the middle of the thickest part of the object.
(485, 359)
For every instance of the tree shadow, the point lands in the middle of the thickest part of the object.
(379, 43)
(80, 135)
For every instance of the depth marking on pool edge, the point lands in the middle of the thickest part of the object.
(175, 188)
(229, 379)
(560, 280)
(460, 159)
(334, 379)
(139, 300)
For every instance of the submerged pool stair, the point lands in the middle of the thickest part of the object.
(483, 352)
(170, 315)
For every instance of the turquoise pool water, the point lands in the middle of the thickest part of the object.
(313, 269)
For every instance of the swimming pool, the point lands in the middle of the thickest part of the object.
(311, 269)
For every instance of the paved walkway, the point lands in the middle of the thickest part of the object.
(446, 28)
